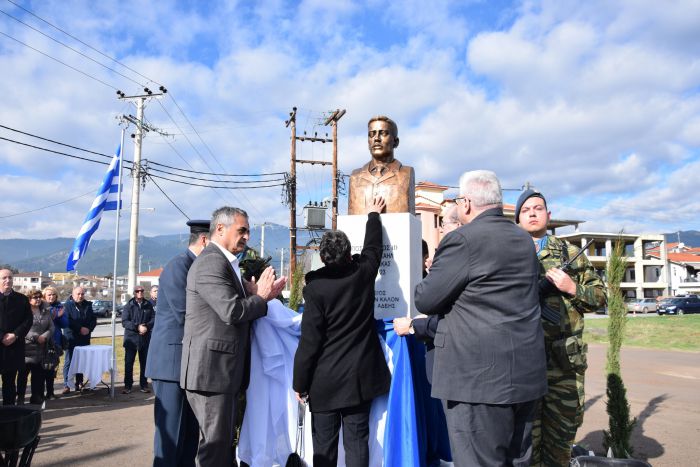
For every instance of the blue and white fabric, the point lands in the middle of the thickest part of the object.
(105, 200)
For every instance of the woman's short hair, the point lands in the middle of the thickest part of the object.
(335, 248)
(34, 293)
(48, 289)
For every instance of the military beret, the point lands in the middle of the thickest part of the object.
(524, 196)
(198, 226)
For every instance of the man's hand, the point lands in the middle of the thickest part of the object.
(378, 205)
(41, 339)
(251, 288)
(267, 287)
(561, 281)
(301, 398)
(84, 331)
(143, 329)
(402, 325)
(9, 339)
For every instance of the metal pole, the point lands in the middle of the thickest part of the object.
(135, 193)
(112, 373)
(262, 241)
(334, 193)
(293, 196)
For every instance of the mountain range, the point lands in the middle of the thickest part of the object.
(50, 255)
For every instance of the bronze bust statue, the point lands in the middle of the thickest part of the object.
(383, 175)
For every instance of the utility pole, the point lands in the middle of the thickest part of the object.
(293, 193)
(291, 185)
(333, 121)
(138, 175)
(262, 239)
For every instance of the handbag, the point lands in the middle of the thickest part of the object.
(50, 358)
(295, 458)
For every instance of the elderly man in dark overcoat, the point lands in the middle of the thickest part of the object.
(15, 322)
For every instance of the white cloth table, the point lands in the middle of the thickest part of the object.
(92, 361)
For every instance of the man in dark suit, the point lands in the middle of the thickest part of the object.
(217, 330)
(339, 363)
(489, 353)
(176, 428)
(15, 322)
(81, 323)
(137, 319)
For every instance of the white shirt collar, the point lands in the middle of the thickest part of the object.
(233, 259)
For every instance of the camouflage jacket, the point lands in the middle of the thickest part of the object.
(590, 290)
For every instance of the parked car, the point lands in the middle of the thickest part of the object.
(679, 306)
(102, 308)
(644, 305)
(630, 302)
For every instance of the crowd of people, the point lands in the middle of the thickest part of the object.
(502, 323)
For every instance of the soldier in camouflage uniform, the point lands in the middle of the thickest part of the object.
(564, 298)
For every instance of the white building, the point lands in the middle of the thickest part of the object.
(646, 275)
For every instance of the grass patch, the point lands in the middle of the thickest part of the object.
(657, 332)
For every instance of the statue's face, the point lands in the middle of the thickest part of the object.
(381, 141)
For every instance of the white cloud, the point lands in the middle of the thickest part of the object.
(595, 103)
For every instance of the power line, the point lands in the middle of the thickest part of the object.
(53, 151)
(82, 42)
(151, 175)
(55, 142)
(150, 162)
(71, 48)
(46, 207)
(59, 61)
(169, 199)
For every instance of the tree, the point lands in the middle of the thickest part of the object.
(617, 438)
(295, 296)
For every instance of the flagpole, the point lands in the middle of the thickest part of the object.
(114, 274)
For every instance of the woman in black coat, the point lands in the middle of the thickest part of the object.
(340, 363)
(35, 342)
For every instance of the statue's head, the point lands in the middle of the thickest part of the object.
(382, 138)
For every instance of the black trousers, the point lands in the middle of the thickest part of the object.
(490, 434)
(129, 359)
(37, 371)
(325, 427)
(9, 387)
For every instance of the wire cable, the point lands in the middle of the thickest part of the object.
(83, 42)
(59, 61)
(218, 187)
(169, 199)
(46, 207)
(71, 48)
(55, 152)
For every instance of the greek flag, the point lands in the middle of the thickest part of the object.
(105, 200)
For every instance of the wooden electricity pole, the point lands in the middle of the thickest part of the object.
(291, 186)
(333, 120)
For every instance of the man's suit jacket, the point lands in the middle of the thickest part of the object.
(80, 315)
(217, 325)
(339, 361)
(489, 347)
(15, 317)
(165, 349)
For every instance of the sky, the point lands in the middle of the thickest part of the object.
(596, 104)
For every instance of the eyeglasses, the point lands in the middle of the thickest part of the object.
(446, 224)
(138, 291)
(461, 199)
(38, 297)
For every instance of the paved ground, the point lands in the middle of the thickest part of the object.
(89, 430)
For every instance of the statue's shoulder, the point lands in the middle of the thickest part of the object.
(361, 170)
